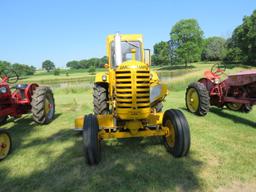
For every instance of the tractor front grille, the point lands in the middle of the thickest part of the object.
(133, 89)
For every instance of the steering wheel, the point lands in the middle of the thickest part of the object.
(218, 69)
(12, 76)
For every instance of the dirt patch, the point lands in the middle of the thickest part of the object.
(239, 186)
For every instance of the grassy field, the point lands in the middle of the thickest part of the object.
(50, 158)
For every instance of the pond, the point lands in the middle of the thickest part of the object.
(87, 82)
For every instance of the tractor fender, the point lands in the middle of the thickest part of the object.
(29, 90)
(102, 77)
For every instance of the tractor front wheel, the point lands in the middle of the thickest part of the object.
(43, 105)
(5, 144)
(100, 99)
(197, 99)
(92, 143)
(177, 140)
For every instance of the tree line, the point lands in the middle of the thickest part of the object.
(187, 45)
(20, 69)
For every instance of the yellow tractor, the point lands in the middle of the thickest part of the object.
(127, 101)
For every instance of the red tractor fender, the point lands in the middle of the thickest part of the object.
(207, 83)
(29, 90)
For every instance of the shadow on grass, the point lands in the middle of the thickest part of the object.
(22, 127)
(235, 118)
(126, 166)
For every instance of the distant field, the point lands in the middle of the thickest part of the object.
(50, 158)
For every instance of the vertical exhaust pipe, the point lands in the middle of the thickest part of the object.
(118, 50)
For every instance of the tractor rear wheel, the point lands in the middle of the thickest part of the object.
(5, 144)
(43, 105)
(197, 99)
(92, 143)
(100, 99)
(245, 108)
(177, 141)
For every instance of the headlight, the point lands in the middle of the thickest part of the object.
(3, 90)
(104, 78)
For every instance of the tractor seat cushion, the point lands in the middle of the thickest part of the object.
(21, 86)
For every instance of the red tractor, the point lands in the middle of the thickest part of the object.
(237, 92)
(23, 99)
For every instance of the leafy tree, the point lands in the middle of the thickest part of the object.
(161, 54)
(186, 40)
(214, 49)
(73, 64)
(4, 65)
(242, 44)
(56, 72)
(48, 65)
(91, 70)
(22, 69)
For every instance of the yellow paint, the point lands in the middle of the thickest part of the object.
(5, 145)
(192, 100)
(99, 77)
(129, 97)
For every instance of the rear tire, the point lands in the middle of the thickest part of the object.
(244, 108)
(197, 99)
(100, 99)
(177, 141)
(92, 144)
(5, 144)
(43, 105)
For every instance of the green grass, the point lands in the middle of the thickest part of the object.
(50, 157)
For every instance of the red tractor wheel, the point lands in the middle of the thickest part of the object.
(43, 105)
(5, 144)
(197, 99)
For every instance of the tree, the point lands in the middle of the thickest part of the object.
(73, 64)
(186, 40)
(214, 49)
(48, 65)
(242, 44)
(161, 54)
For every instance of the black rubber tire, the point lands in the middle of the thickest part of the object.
(182, 133)
(92, 144)
(100, 99)
(245, 108)
(3, 120)
(204, 99)
(39, 97)
(2, 131)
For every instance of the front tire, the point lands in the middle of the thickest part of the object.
(197, 99)
(43, 105)
(177, 141)
(92, 144)
(5, 144)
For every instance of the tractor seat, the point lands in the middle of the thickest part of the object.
(21, 86)
(210, 75)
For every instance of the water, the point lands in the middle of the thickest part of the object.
(87, 82)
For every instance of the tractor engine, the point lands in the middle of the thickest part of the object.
(132, 90)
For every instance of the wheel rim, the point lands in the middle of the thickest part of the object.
(192, 100)
(234, 106)
(5, 145)
(170, 137)
(48, 108)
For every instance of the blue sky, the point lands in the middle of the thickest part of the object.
(63, 30)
